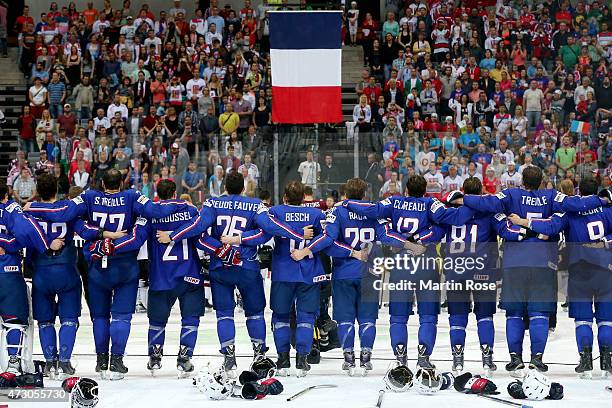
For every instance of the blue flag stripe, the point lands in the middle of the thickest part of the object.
(305, 30)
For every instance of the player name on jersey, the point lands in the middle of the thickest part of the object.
(110, 201)
(354, 216)
(537, 201)
(598, 210)
(235, 205)
(297, 217)
(409, 205)
(181, 216)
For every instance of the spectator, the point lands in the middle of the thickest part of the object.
(193, 181)
(216, 183)
(229, 120)
(533, 104)
(67, 120)
(24, 187)
(37, 95)
(26, 124)
(252, 172)
(310, 171)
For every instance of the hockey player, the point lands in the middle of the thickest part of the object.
(174, 275)
(413, 216)
(55, 275)
(113, 282)
(21, 232)
(589, 282)
(294, 282)
(350, 283)
(529, 275)
(231, 215)
(474, 243)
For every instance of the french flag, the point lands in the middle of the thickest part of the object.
(306, 57)
(580, 127)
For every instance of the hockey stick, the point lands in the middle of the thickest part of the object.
(312, 387)
(381, 395)
(503, 401)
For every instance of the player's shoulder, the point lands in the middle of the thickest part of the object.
(12, 207)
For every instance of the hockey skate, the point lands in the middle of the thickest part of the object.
(229, 362)
(487, 360)
(259, 351)
(14, 365)
(423, 359)
(155, 359)
(365, 361)
(537, 364)
(301, 365)
(183, 363)
(401, 354)
(605, 361)
(349, 363)
(50, 370)
(102, 365)
(458, 359)
(516, 367)
(117, 370)
(64, 370)
(585, 366)
(283, 364)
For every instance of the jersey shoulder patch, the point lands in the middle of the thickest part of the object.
(13, 207)
(141, 221)
(330, 217)
(559, 214)
(386, 201)
(500, 216)
(559, 197)
(436, 205)
(207, 203)
(78, 200)
(262, 208)
(142, 199)
(500, 195)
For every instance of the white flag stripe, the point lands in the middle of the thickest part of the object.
(304, 68)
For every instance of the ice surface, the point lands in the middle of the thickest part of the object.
(139, 389)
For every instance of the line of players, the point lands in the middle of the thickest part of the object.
(230, 228)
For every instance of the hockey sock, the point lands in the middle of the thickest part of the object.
(398, 330)
(157, 334)
(538, 331)
(515, 332)
(48, 339)
(67, 337)
(101, 331)
(604, 333)
(304, 332)
(457, 323)
(120, 331)
(346, 335)
(584, 334)
(256, 326)
(226, 331)
(281, 330)
(427, 332)
(486, 330)
(189, 333)
(367, 334)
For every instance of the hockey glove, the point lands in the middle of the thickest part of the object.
(469, 384)
(515, 389)
(229, 255)
(102, 248)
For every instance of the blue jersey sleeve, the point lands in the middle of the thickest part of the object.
(27, 230)
(272, 226)
(338, 250)
(564, 203)
(441, 214)
(433, 234)
(65, 211)
(9, 243)
(208, 244)
(133, 242)
(85, 230)
(381, 209)
(505, 229)
(386, 236)
(254, 237)
(144, 207)
(197, 226)
(490, 204)
(549, 226)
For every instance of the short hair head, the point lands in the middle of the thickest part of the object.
(46, 185)
(472, 185)
(166, 189)
(112, 180)
(234, 183)
(416, 186)
(294, 192)
(532, 178)
(355, 189)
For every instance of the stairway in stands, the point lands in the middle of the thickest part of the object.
(352, 66)
(13, 91)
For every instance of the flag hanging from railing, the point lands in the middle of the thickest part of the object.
(306, 58)
(580, 127)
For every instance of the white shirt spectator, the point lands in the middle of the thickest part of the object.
(511, 180)
(209, 37)
(434, 182)
(309, 171)
(104, 121)
(100, 26)
(505, 157)
(423, 160)
(451, 184)
(194, 88)
(156, 41)
(112, 108)
(252, 169)
(80, 179)
(140, 21)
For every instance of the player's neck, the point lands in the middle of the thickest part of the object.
(50, 201)
(112, 191)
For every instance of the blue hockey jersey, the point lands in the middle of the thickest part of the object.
(589, 226)
(533, 252)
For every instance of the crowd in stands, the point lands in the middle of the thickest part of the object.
(448, 90)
